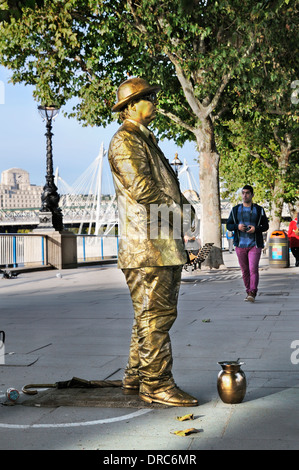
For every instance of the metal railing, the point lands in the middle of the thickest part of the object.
(22, 250)
(94, 248)
(18, 250)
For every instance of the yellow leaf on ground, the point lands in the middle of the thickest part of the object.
(186, 432)
(185, 418)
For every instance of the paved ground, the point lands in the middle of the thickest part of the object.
(76, 323)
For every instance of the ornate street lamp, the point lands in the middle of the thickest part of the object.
(176, 163)
(50, 214)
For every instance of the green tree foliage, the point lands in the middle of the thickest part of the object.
(264, 121)
(13, 8)
(258, 154)
(203, 53)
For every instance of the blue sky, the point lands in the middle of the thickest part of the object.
(23, 141)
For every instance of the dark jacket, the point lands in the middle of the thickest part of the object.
(261, 226)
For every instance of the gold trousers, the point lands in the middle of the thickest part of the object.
(154, 293)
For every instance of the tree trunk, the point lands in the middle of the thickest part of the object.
(276, 209)
(209, 194)
(278, 190)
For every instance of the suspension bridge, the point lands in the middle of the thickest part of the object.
(85, 206)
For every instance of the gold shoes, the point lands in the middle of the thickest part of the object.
(171, 397)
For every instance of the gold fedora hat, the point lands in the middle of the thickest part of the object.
(132, 89)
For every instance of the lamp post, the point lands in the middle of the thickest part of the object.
(50, 215)
(176, 163)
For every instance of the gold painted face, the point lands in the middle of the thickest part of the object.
(144, 111)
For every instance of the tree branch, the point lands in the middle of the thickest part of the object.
(89, 72)
(176, 119)
(195, 104)
(277, 138)
(274, 155)
(187, 86)
(218, 115)
(225, 79)
(257, 155)
(139, 25)
(262, 159)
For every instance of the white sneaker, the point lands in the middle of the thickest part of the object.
(251, 297)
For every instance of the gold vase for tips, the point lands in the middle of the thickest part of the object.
(231, 382)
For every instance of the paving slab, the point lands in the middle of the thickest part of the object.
(78, 324)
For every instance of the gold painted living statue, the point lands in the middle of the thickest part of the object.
(151, 249)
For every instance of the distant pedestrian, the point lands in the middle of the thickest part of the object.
(248, 221)
(230, 239)
(265, 236)
(293, 234)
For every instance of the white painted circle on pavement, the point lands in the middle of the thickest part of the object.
(135, 414)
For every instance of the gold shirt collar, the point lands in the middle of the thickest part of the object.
(144, 129)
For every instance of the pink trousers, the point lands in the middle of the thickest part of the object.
(249, 263)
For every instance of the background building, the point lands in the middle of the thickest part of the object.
(16, 192)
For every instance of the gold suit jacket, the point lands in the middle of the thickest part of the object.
(144, 183)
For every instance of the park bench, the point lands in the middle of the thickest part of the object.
(196, 260)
